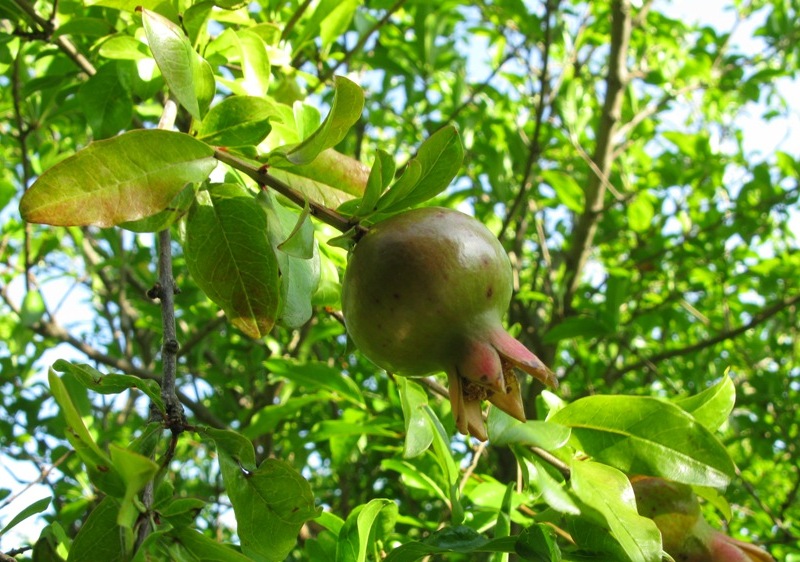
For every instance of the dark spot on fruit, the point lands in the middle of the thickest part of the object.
(396, 295)
(489, 292)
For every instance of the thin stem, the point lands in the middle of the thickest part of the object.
(326, 215)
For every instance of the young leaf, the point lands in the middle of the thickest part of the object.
(121, 179)
(348, 102)
(188, 76)
(94, 380)
(229, 255)
(505, 430)
(354, 538)
(297, 252)
(712, 406)
(608, 493)
(135, 470)
(419, 432)
(271, 502)
(437, 162)
(380, 176)
(255, 63)
(237, 121)
(644, 435)
(100, 468)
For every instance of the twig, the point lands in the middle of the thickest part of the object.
(759, 318)
(535, 146)
(43, 474)
(359, 45)
(616, 81)
(326, 215)
(23, 131)
(298, 13)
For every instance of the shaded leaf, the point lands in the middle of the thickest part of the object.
(100, 537)
(354, 537)
(271, 503)
(419, 433)
(229, 255)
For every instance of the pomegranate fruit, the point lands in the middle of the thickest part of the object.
(425, 292)
(685, 533)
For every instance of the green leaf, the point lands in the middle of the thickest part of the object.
(609, 494)
(136, 471)
(229, 255)
(271, 503)
(266, 420)
(176, 209)
(315, 374)
(297, 252)
(255, 63)
(458, 539)
(197, 547)
(380, 176)
(188, 76)
(551, 490)
(32, 309)
(568, 191)
(419, 432)
(412, 476)
(640, 213)
(538, 544)
(36, 507)
(94, 380)
(106, 102)
(712, 406)
(648, 436)
(505, 430)
(100, 468)
(121, 179)
(433, 168)
(348, 102)
(354, 538)
(444, 457)
(100, 537)
(576, 327)
(237, 121)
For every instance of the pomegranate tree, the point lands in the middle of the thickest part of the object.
(425, 292)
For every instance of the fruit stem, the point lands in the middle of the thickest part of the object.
(321, 212)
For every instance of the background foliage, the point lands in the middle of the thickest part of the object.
(652, 244)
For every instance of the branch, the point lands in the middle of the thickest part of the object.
(261, 177)
(359, 45)
(616, 81)
(61, 41)
(759, 318)
(535, 147)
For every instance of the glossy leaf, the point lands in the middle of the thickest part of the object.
(297, 252)
(419, 432)
(237, 121)
(230, 257)
(609, 493)
(354, 538)
(194, 545)
(505, 430)
(176, 210)
(116, 180)
(643, 435)
(712, 406)
(437, 162)
(348, 102)
(188, 76)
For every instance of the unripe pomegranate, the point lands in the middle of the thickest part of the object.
(685, 533)
(424, 292)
